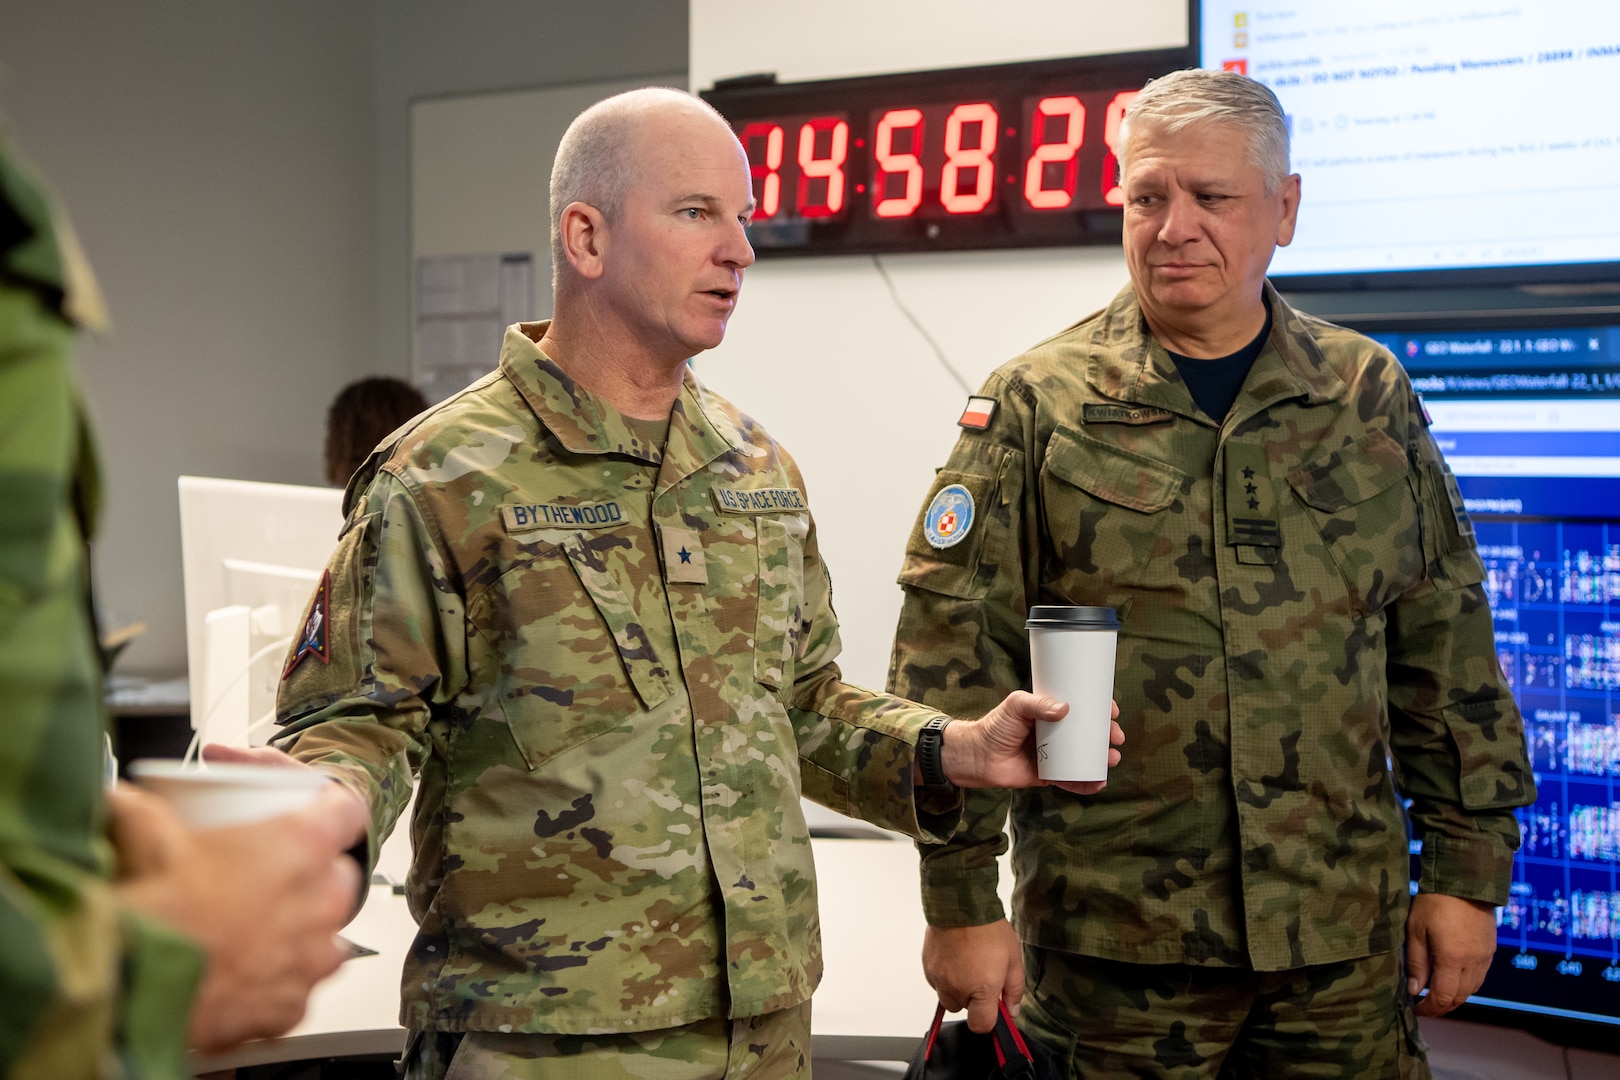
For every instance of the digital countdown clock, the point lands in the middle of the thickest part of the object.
(1015, 155)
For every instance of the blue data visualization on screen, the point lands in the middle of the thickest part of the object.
(1529, 420)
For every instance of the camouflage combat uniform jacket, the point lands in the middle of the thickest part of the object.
(88, 987)
(1301, 606)
(612, 667)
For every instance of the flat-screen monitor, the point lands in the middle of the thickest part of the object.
(1527, 412)
(1439, 141)
(253, 554)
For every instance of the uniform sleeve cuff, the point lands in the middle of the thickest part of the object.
(1472, 869)
(939, 813)
(896, 803)
(951, 898)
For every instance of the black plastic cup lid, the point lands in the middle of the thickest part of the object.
(1065, 617)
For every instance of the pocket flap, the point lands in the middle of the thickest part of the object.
(1118, 476)
(647, 673)
(1351, 474)
(781, 595)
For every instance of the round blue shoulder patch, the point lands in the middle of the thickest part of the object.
(949, 517)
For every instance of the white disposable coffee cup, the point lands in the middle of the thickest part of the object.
(1071, 658)
(210, 796)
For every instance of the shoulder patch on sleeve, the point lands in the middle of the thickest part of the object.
(949, 517)
(313, 639)
(978, 414)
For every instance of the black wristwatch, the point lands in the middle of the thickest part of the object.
(930, 741)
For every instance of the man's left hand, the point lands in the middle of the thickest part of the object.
(999, 750)
(1449, 945)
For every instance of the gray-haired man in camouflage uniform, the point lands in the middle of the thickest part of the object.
(583, 601)
(1305, 641)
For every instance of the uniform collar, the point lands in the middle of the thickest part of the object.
(1128, 364)
(699, 430)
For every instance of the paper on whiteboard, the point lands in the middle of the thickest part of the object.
(464, 303)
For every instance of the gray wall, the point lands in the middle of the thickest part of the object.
(217, 158)
(237, 170)
(428, 48)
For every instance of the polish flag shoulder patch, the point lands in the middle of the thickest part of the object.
(978, 414)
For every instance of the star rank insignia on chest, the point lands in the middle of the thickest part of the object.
(314, 639)
(1251, 508)
(978, 414)
(683, 556)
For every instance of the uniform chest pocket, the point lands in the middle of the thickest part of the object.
(779, 619)
(1361, 500)
(1110, 513)
(573, 660)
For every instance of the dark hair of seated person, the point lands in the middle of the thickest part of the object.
(360, 417)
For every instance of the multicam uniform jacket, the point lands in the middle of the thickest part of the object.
(1305, 640)
(88, 988)
(611, 665)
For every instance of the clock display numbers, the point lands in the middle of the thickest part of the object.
(1008, 156)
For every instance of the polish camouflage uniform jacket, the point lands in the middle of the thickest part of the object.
(87, 987)
(1304, 641)
(611, 665)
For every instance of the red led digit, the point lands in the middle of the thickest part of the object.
(1065, 152)
(1113, 194)
(890, 163)
(977, 159)
(768, 192)
(829, 168)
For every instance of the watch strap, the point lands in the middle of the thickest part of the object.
(930, 744)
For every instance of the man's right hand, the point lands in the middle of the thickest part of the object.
(971, 967)
(264, 901)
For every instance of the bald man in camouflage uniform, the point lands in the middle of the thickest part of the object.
(1257, 494)
(583, 600)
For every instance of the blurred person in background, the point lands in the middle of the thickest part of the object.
(360, 417)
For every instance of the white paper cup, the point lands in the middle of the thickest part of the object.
(210, 796)
(1071, 658)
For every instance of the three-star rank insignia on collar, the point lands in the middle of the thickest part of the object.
(978, 414)
(315, 637)
(1251, 507)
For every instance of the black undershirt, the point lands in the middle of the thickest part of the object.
(1214, 384)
